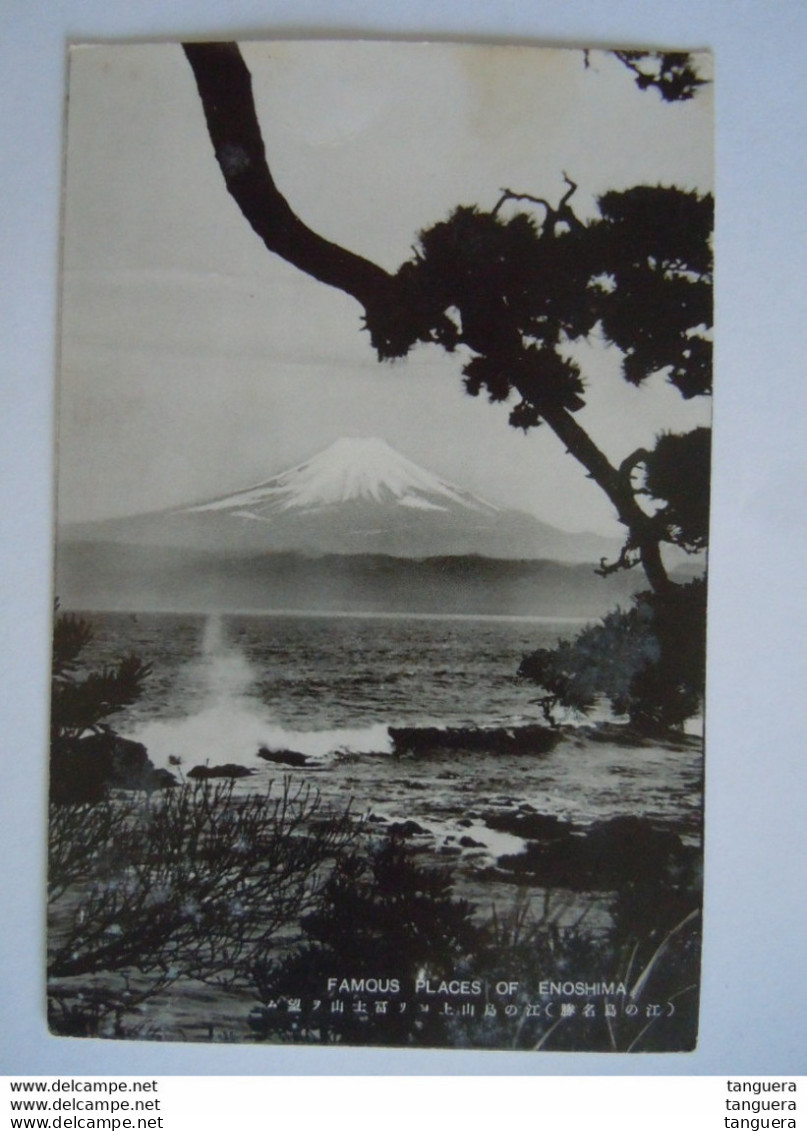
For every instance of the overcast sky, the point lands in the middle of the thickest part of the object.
(194, 362)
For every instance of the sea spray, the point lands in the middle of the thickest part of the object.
(228, 723)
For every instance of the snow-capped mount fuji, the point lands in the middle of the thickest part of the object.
(358, 496)
(350, 471)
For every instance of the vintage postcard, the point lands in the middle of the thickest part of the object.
(383, 500)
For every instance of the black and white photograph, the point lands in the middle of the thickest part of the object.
(383, 462)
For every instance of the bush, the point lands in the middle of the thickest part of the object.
(649, 661)
(86, 755)
(655, 958)
(384, 918)
(188, 883)
(393, 919)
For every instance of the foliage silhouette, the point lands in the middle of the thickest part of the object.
(85, 752)
(82, 700)
(394, 921)
(647, 661)
(188, 883)
(672, 73)
(651, 960)
(384, 917)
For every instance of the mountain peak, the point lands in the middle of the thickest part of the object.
(357, 496)
(351, 469)
(361, 447)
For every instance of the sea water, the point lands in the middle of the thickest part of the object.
(225, 684)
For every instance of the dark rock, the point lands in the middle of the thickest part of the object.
(164, 779)
(283, 757)
(228, 770)
(347, 757)
(406, 828)
(617, 734)
(469, 842)
(85, 769)
(425, 741)
(633, 846)
(376, 818)
(607, 856)
(531, 826)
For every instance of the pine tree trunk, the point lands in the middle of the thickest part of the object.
(579, 444)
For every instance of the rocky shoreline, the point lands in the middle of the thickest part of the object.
(571, 836)
(495, 838)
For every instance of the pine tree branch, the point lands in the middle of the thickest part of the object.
(225, 88)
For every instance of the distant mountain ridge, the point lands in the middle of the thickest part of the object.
(110, 576)
(358, 496)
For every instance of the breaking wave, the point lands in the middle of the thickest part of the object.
(229, 723)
